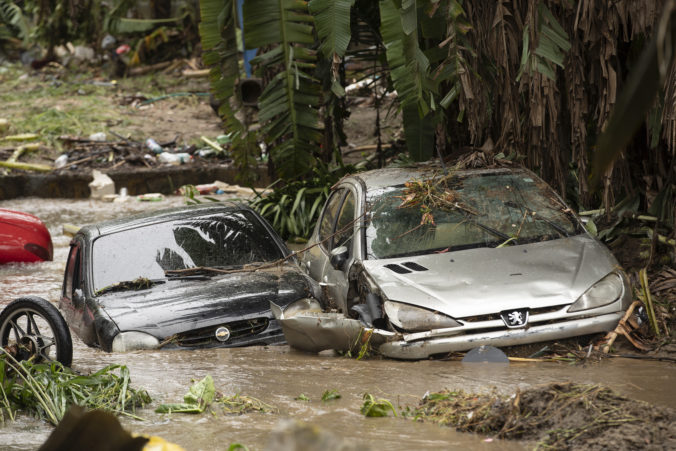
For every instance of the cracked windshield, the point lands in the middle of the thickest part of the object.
(337, 225)
(464, 212)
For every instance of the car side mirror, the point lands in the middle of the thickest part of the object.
(78, 298)
(339, 257)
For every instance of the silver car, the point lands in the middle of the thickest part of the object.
(416, 263)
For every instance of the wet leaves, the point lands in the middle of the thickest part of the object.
(202, 394)
(558, 416)
(330, 395)
(46, 390)
(302, 397)
(373, 407)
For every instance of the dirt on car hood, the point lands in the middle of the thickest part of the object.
(488, 280)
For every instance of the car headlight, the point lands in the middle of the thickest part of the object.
(411, 318)
(604, 292)
(134, 341)
(302, 305)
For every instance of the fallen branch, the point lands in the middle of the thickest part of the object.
(26, 166)
(623, 329)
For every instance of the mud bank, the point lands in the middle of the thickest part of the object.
(74, 184)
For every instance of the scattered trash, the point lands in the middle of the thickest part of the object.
(101, 186)
(122, 196)
(175, 158)
(107, 42)
(61, 161)
(100, 137)
(121, 50)
(150, 197)
(153, 146)
(4, 125)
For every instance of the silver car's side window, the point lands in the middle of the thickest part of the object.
(329, 218)
(345, 223)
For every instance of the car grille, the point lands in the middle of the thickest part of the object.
(207, 335)
(494, 316)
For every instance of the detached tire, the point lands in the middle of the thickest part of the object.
(31, 327)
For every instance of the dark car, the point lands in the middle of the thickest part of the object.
(195, 276)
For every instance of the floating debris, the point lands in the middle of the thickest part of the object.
(47, 390)
(557, 416)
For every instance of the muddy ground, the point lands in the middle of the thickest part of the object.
(65, 108)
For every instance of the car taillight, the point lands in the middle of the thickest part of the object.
(39, 251)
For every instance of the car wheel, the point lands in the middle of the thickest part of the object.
(32, 328)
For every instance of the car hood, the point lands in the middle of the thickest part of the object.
(181, 305)
(489, 280)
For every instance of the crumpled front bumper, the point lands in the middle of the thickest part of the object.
(421, 349)
(318, 331)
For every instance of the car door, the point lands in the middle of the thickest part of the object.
(73, 306)
(316, 258)
(343, 234)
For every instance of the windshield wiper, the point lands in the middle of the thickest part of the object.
(491, 230)
(140, 283)
(535, 215)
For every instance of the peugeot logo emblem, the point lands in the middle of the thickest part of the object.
(515, 318)
(222, 334)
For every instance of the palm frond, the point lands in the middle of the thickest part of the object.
(289, 103)
(13, 19)
(551, 47)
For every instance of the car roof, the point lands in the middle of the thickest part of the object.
(382, 178)
(158, 216)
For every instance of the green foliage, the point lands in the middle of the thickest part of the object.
(13, 23)
(294, 208)
(373, 407)
(202, 394)
(330, 395)
(288, 106)
(332, 20)
(301, 397)
(551, 47)
(48, 389)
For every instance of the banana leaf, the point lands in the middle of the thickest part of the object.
(290, 101)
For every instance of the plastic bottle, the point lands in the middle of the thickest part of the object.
(61, 161)
(174, 158)
(153, 146)
(100, 136)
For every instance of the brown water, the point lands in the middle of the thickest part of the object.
(277, 374)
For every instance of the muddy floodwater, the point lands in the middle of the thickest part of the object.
(278, 374)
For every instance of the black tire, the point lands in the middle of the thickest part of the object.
(17, 322)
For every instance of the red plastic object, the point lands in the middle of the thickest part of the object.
(23, 238)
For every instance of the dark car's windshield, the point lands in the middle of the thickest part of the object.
(479, 210)
(215, 240)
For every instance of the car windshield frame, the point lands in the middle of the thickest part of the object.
(211, 240)
(481, 209)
